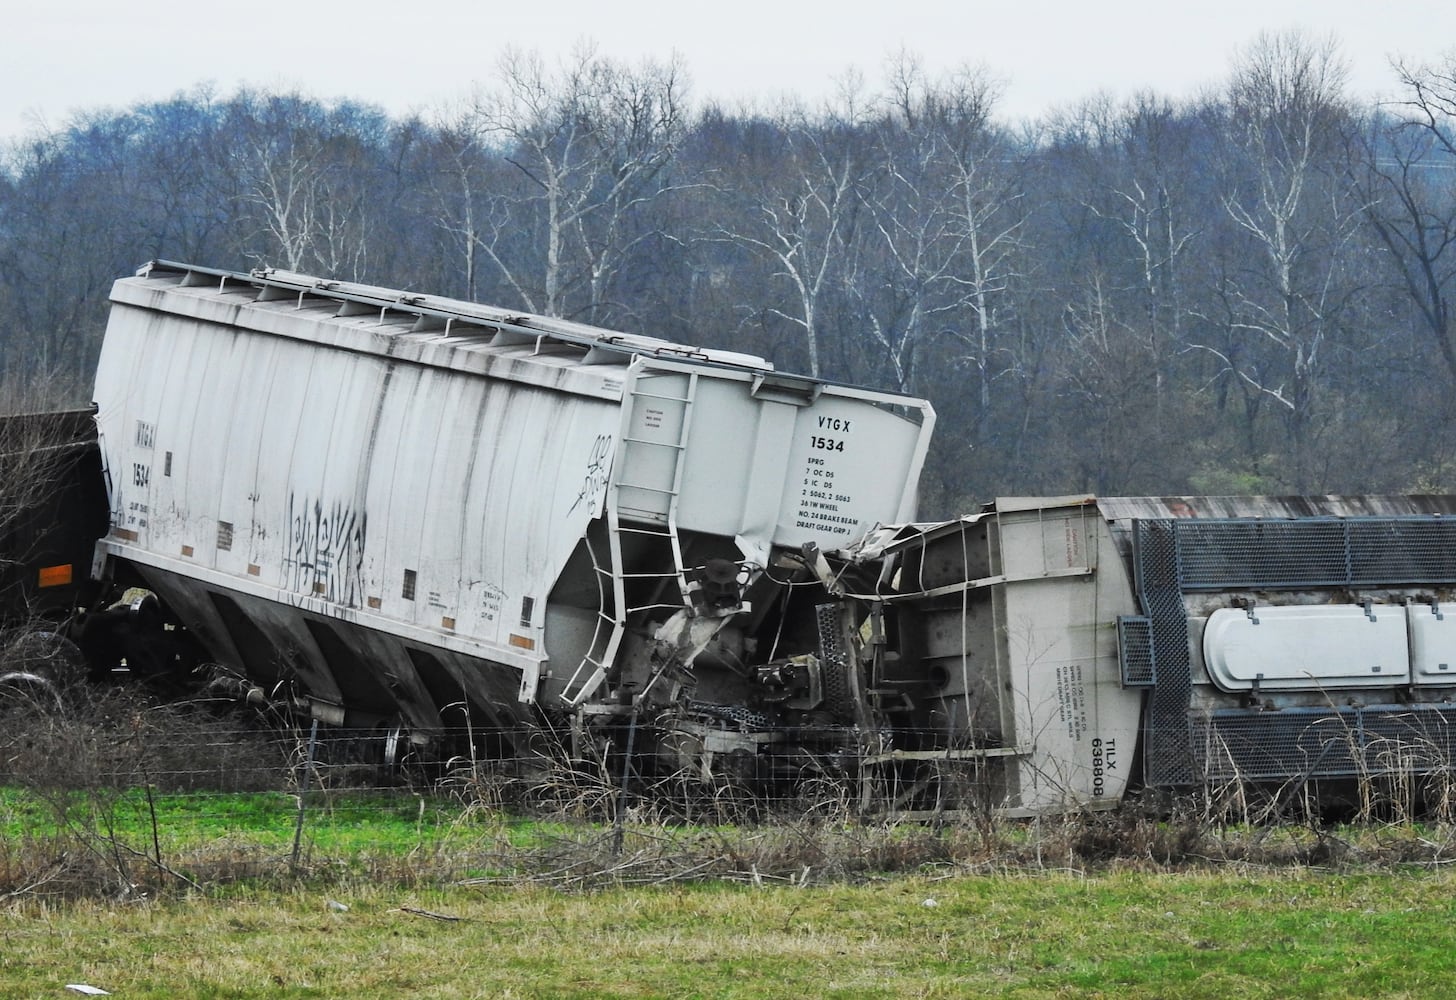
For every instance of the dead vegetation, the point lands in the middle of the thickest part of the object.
(79, 750)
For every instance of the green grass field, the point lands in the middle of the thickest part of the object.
(335, 823)
(399, 895)
(1188, 934)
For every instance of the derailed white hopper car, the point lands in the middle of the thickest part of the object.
(392, 508)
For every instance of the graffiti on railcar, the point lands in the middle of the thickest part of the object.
(323, 553)
(598, 467)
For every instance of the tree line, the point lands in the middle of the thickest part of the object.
(1249, 291)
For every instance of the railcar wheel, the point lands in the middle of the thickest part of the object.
(38, 666)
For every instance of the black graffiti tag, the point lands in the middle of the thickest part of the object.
(598, 466)
(323, 553)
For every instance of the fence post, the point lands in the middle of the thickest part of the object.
(618, 821)
(302, 793)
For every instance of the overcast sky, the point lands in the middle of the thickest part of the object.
(66, 55)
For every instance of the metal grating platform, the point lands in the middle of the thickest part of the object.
(1168, 755)
(835, 659)
(1306, 743)
(1343, 552)
(1135, 651)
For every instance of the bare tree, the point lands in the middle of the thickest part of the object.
(302, 176)
(467, 203)
(591, 142)
(1125, 174)
(989, 214)
(1412, 196)
(799, 212)
(946, 221)
(1297, 210)
(67, 230)
(1134, 164)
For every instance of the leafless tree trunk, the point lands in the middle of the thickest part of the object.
(801, 213)
(592, 141)
(1412, 197)
(1286, 118)
(947, 232)
(304, 176)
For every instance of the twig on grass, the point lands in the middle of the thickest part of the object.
(431, 914)
(159, 865)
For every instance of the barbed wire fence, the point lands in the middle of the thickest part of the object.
(118, 739)
(106, 790)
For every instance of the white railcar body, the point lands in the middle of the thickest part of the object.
(403, 503)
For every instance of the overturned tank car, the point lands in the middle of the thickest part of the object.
(432, 517)
(1059, 652)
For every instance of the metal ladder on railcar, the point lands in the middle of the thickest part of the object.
(663, 546)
